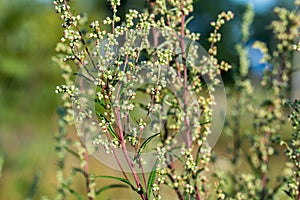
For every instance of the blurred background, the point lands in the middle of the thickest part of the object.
(29, 30)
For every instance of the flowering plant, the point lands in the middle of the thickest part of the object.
(143, 100)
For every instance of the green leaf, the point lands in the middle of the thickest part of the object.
(288, 193)
(172, 104)
(151, 179)
(203, 123)
(277, 188)
(112, 131)
(199, 171)
(71, 152)
(73, 192)
(109, 127)
(83, 76)
(34, 186)
(101, 116)
(142, 147)
(76, 169)
(110, 187)
(117, 178)
(188, 20)
(251, 164)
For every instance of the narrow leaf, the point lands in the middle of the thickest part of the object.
(76, 169)
(203, 123)
(72, 152)
(34, 186)
(199, 171)
(151, 179)
(288, 193)
(144, 145)
(109, 127)
(112, 131)
(188, 20)
(110, 187)
(116, 178)
(248, 159)
(73, 192)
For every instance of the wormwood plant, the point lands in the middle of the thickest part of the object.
(268, 116)
(139, 88)
(293, 153)
(141, 97)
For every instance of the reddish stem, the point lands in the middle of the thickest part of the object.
(186, 120)
(87, 173)
(124, 149)
(197, 193)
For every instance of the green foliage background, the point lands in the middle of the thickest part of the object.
(27, 101)
(29, 31)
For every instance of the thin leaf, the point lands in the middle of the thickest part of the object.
(172, 104)
(207, 122)
(199, 171)
(167, 102)
(288, 193)
(112, 131)
(76, 169)
(83, 76)
(142, 147)
(248, 159)
(109, 127)
(188, 20)
(110, 187)
(73, 192)
(72, 152)
(117, 178)
(277, 189)
(151, 179)
(34, 186)
(102, 117)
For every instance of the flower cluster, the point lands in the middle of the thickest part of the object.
(292, 171)
(145, 88)
(267, 114)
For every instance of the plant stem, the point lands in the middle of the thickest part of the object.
(197, 192)
(180, 197)
(236, 132)
(264, 175)
(87, 174)
(124, 149)
(186, 120)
